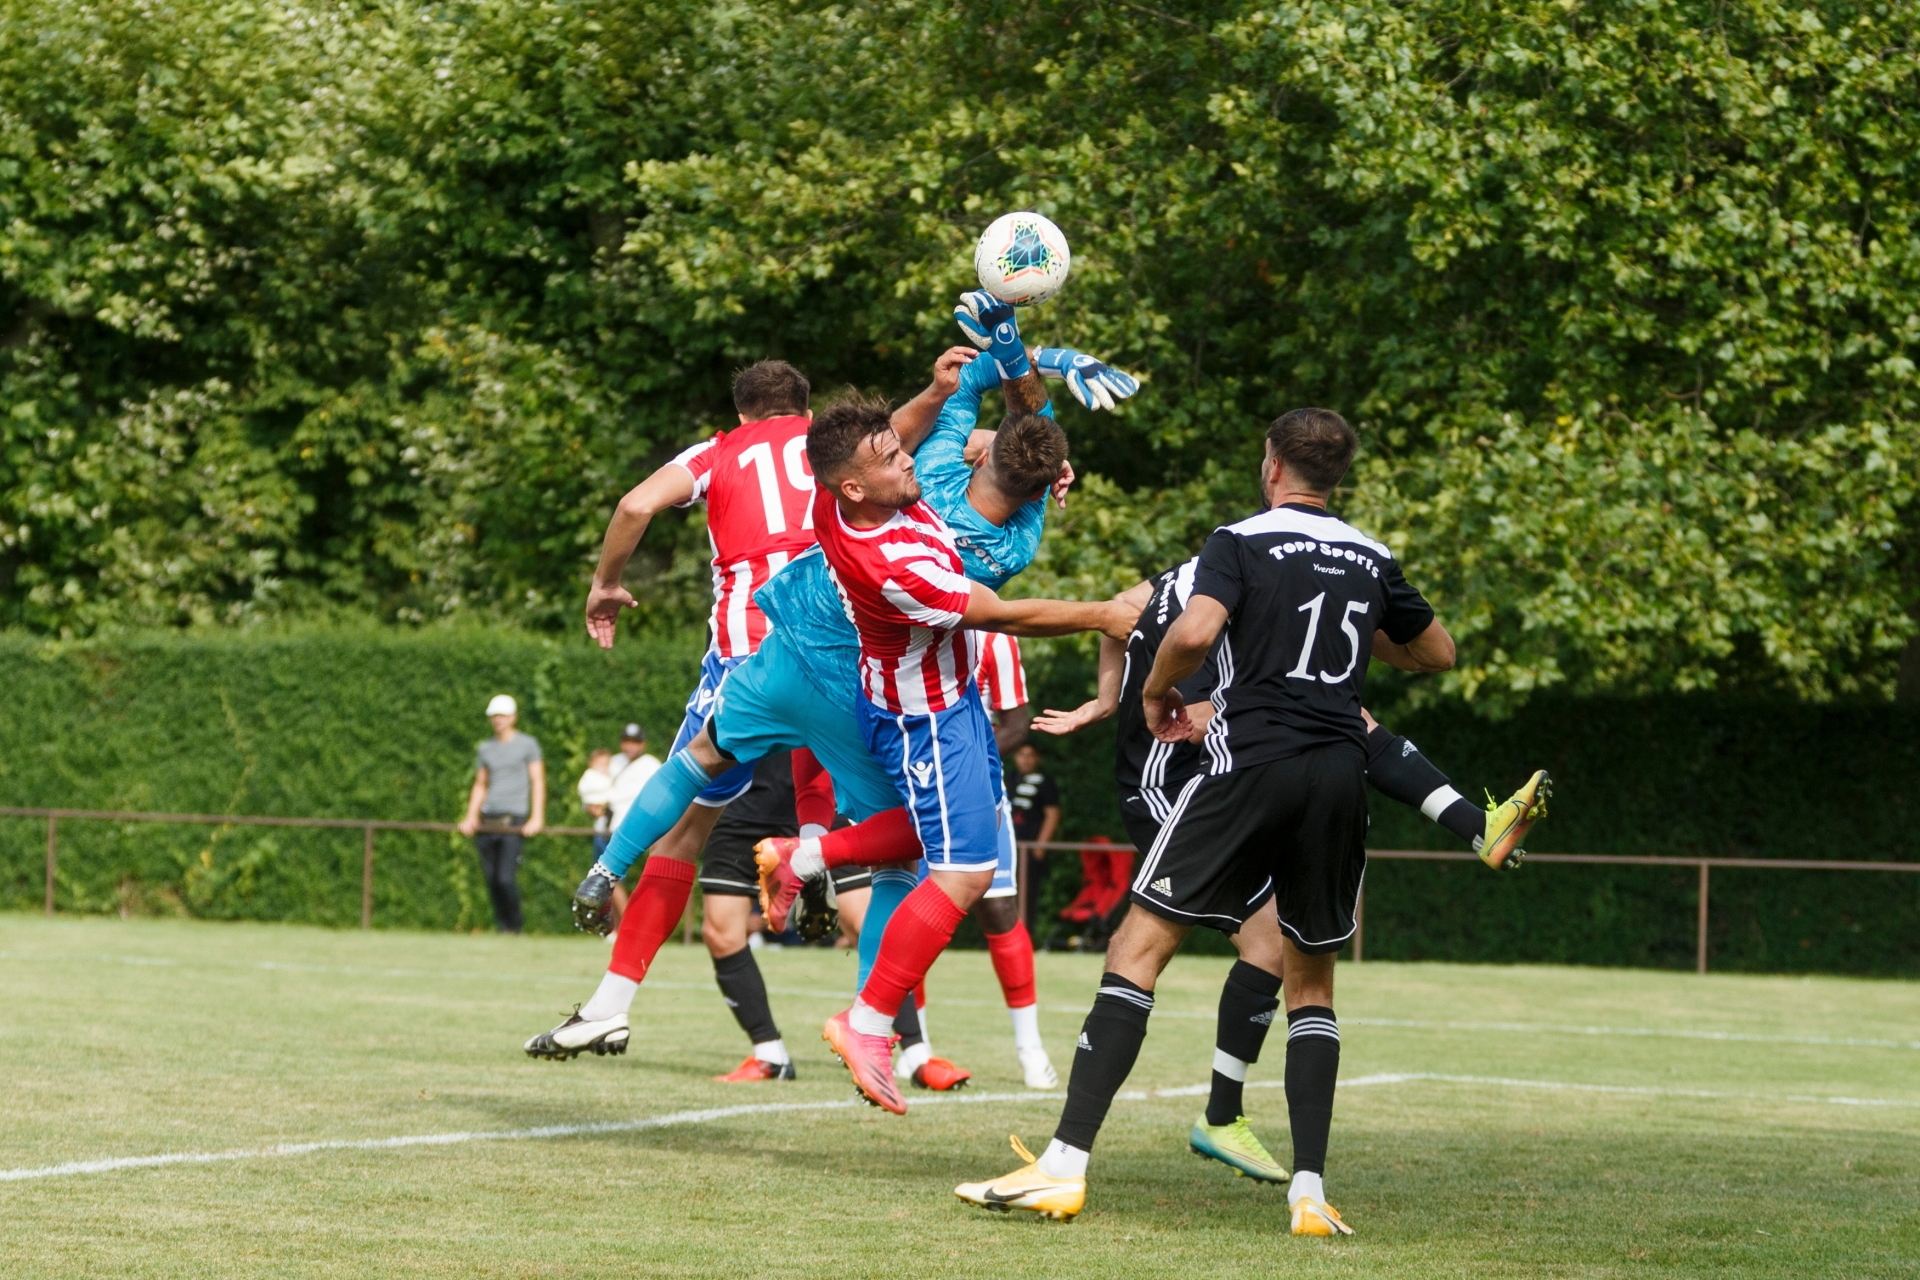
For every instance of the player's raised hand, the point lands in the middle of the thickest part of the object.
(603, 611)
(946, 370)
(1093, 383)
(979, 313)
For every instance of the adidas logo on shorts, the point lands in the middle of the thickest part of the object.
(1164, 886)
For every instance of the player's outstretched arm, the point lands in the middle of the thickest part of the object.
(1186, 645)
(1106, 699)
(986, 611)
(913, 420)
(1431, 650)
(670, 486)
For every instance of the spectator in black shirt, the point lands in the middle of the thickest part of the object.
(1035, 798)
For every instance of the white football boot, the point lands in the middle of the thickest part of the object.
(576, 1036)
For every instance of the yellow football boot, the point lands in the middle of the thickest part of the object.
(1028, 1188)
(1317, 1218)
(1509, 821)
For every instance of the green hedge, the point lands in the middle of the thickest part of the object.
(1692, 775)
(350, 723)
(307, 723)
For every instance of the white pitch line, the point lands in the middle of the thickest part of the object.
(706, 1115)
(702, 1116)
(814, 993)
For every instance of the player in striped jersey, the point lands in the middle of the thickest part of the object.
(758, 491)
(898, 569)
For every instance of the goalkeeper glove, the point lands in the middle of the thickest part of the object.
(1093, 384)
(990, 325)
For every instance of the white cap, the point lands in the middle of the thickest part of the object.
(503, 705)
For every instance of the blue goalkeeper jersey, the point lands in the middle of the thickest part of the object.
(804, 605)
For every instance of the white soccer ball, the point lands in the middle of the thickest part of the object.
(1022, 258)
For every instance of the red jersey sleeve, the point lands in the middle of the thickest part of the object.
(1003, 680)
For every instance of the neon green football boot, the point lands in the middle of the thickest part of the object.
(1509, 820)
(1235, 1146)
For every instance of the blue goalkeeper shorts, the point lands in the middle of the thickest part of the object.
(768, 704)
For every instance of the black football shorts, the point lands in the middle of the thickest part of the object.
(1294, 830)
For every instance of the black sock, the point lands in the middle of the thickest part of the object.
(1109, 1044)
(745, 992)
(906, 1023)
(1313, 1064)
(1247, 1004)
(1397, 770)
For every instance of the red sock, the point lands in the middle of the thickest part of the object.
(653, 913)
(920, 930)
(813, 799)
(1012, 954)
(885, 837)
(920, 995)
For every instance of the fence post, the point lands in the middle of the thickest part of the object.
(1359, 921)
(366, 879)
(1700, 938)
(53, 856)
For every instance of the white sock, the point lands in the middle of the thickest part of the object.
(925, 1034)
(911, 1060)
(1026, 1026)
(869, 1021)
(811, 831)
(808, 862)
(1062, 1161)
(1306, 1186)
(613, 998)
(774, 1051)
(755, 941)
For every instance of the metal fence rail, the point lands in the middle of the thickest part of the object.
(368, 826)
(1705, 866)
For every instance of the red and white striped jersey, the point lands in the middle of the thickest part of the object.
(758, 488)
(1003, 681)
(905, 589)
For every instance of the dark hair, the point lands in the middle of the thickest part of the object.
(1028, 452)
(836, 434)
(770, 389)
(1316, 444)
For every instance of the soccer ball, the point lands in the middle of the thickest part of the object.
(1022, 258)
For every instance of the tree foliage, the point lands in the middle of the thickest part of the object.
(377, 307)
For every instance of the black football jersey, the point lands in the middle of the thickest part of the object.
(1304, 593)
(1157, 769)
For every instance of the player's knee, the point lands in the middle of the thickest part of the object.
(707, 755)
(997, 915)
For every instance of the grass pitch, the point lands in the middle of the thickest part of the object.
(1597, 1122)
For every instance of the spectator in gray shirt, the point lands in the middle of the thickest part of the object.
(508, 802)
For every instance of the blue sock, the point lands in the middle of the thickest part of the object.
(891, 885)
(660, 804)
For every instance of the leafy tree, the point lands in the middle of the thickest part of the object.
(310, 307)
